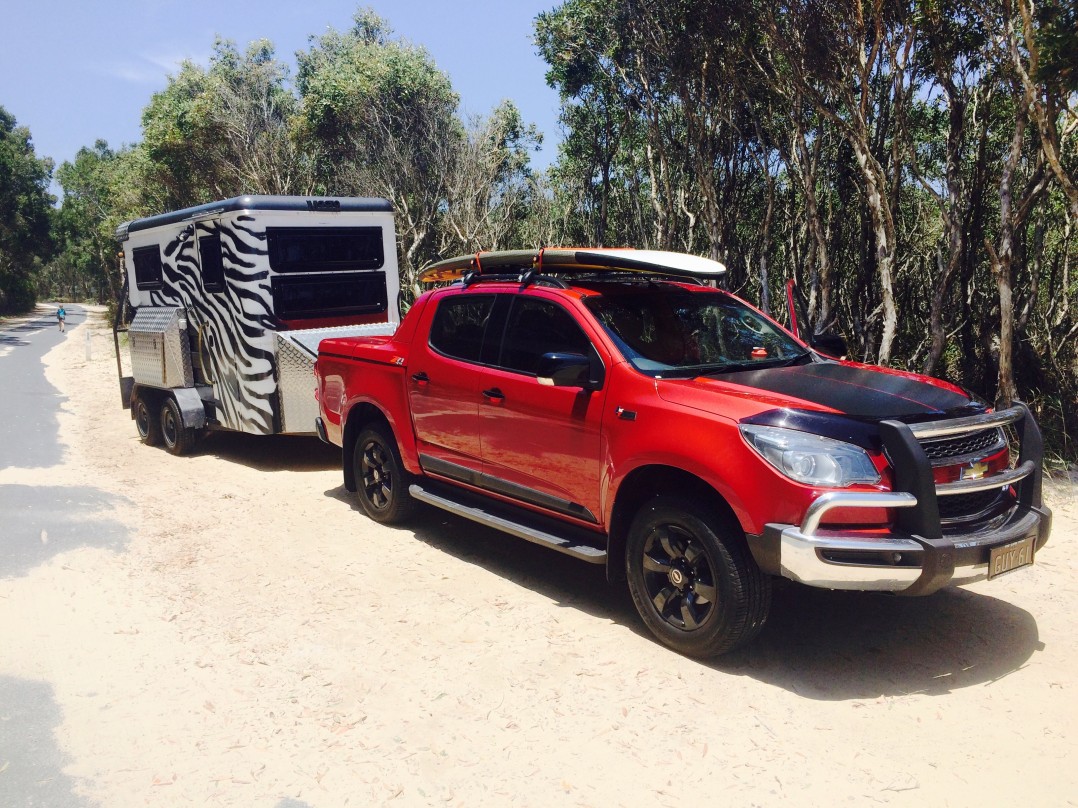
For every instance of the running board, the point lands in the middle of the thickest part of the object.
(515, 521)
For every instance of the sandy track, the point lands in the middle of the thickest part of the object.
(251, 640)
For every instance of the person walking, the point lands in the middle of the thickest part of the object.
(61, 316)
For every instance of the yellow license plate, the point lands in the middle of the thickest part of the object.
(1010, 557)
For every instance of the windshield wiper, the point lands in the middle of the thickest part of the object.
(756, 364)
(731, 367)
(796, 359)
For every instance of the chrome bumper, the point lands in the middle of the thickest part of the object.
(894, 562)
(919, 555)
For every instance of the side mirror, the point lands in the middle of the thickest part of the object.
(562, 369)
(830, 343)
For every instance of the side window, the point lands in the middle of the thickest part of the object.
(537, 327)
(213, 268)
(459, 324)
(147, 267)
(324, 249)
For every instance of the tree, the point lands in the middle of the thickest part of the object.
(909, 161)
(848, 59)
(952, 62)
(381, 119)
(490, 185)
(102, 189)
(226, 130)
(25, 203)
(1042, 42)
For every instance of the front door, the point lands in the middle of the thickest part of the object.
(541, 444)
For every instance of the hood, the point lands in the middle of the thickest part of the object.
(861, 392)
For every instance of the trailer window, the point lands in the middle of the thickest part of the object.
(298, 298)
(213, 268)
(147, 267)
(324, 249)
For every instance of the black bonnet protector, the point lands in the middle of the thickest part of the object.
(863, 397)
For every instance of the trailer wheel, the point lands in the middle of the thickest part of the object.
(147, 421)
(693, 580)
(381, 480)
(178, 439)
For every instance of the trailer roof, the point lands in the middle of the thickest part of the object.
(257, 202)
(552, 260)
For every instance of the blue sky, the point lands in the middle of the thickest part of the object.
(75, 71)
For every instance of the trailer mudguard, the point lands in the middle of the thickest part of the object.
(191, 407)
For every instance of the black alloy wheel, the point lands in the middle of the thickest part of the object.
(178, 439)
(147, 421)
(678, 577)
(381, 480)
(692, 578)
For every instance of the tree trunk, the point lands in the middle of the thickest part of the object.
(883, 232)
(1011, 218)
(806, 165)
(1005, 389)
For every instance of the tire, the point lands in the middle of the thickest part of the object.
(177, 438)
(692, 578)
(381, 480)
(147, 421)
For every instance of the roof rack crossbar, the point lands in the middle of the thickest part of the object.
(528, 278)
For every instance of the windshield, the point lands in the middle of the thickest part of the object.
(670, 331)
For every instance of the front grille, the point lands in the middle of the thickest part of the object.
(965, 506)
(957, 448)
(975, 501)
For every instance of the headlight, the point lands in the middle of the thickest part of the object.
(811, 459)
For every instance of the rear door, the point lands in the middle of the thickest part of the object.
(443, 386)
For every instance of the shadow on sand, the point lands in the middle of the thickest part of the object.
(270, 452)
(43, 521)
(33, 764)
(820, 644)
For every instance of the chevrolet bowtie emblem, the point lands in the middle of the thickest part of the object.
(974, 471)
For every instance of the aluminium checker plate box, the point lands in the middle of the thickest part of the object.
(296, 352)
(160, 351)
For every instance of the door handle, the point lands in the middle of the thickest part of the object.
(420, 377)
(494, 393)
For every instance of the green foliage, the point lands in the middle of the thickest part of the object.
(761, 132)
(369, 115)
(226, 130)
(380, 118)
(25, 226)
(367, 98)
(1057, 36)
(102, 189)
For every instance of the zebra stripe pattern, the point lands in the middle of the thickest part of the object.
(233, 328)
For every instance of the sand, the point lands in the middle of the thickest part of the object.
(238, 634)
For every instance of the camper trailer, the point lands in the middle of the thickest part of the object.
(230, 301)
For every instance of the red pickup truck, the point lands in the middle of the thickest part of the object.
(616, 406)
